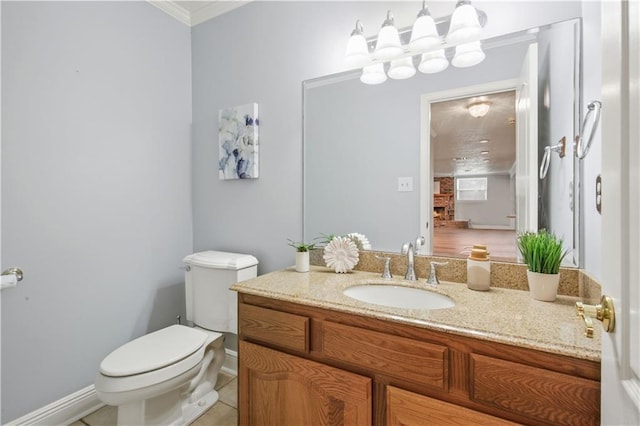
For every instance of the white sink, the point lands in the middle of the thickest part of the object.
(399, 297)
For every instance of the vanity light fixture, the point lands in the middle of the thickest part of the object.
(357, 51)
(465, 27)
(388, 45)
(478, 109)
(484, 152)
(484, 141)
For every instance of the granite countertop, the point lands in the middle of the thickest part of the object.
(500, 315)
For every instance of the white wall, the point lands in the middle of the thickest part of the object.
(96, 204)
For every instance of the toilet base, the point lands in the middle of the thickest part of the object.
(171, 409)
(195, 409)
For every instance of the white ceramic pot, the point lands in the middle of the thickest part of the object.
(302, 261)
(543, 286)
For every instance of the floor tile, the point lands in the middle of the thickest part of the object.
(229, 393)
(223, 379)
(219, 415)
(106, 416)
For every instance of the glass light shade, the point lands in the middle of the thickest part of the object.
(479, 109)
(433, 62)
(424, 34)
(388, 45)
(464, 24)
(468, 55)
(402, 68)
(357, 51)
(373, 74)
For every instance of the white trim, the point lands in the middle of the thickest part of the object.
(85, 401)
(495, 227)
(214, 9)
(230, 365)
(174, 10)
(200, 15)
(63, 411)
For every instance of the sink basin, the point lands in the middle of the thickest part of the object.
(398, 297)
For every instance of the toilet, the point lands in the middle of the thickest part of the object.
(168, 377)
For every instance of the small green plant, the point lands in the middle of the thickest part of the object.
(301, 246)
(542, 251)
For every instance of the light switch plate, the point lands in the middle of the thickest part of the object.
(405, 184)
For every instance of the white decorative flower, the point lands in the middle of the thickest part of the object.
(361, 240)
(341, 254)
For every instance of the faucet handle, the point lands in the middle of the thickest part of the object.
(433, 275)
(387, 260)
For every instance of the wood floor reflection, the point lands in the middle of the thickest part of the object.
(457, 242)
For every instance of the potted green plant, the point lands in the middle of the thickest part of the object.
(543, 253)
(302, 254)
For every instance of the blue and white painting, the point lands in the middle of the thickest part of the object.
(239, 142)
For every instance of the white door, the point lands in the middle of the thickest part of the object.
(620, 207)
(527, 143)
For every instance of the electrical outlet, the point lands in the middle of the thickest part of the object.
(405, 184)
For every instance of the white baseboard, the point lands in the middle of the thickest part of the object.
(230, 365)
(85, 401)
(496, 227)
(63, 411)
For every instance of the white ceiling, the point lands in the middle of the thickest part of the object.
(458, 147)
(195, 12)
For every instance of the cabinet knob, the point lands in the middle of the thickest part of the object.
(604, 312)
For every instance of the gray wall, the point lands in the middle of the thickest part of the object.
(96, 204)
(96, 163)
(494, 211)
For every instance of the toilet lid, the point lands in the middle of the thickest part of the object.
(153, 351)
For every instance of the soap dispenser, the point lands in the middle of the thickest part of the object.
(479, 268)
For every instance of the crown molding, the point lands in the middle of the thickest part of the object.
(200, 15)
(214, 9)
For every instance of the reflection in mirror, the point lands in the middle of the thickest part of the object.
(474, 179)
(364, 145)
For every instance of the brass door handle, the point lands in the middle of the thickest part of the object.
(604, 311)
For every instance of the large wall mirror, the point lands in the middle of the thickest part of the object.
(406, 158)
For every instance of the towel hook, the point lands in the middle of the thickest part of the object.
(546, 158)
(581, 149)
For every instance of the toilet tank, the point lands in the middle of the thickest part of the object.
(208, 276)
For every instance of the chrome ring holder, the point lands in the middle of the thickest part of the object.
(546, 159)
(581, 149)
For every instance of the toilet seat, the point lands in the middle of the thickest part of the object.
(153, 351)
(152, 359)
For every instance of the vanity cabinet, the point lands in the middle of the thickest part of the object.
(303, 365)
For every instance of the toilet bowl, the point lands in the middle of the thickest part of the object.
(166, 377)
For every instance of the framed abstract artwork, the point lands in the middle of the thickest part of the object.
(238, 140)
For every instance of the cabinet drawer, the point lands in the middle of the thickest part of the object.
(277, 328)
(536, 393)
(406, 408)
(399, 357)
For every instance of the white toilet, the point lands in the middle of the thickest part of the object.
(167, 377)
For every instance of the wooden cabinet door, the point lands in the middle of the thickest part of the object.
(280, 389)
(406, 408)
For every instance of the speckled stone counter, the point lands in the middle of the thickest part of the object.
(500, 315)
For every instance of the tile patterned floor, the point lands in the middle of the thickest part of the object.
(223, 413)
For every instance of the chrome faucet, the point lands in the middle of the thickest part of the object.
(407, 248)
(410, 250)
(433, 276)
